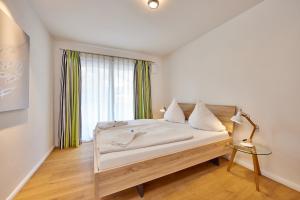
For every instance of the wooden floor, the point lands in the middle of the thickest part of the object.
(68, 174)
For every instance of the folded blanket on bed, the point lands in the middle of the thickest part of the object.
(109, 124)
(121, 139)
(124, 139)
(144, 135)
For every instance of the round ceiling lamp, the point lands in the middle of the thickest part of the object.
(153, 4)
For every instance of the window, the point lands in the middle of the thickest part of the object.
(107, 90)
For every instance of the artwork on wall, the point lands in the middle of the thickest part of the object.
(14, 65)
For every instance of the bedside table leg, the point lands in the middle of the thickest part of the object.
(257, 163)
(231, 159)
(256, 171)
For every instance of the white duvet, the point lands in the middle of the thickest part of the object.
(148, 133)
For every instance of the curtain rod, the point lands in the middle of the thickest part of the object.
(106, 55)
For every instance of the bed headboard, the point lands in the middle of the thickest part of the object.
(223, 113)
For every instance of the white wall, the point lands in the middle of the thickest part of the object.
(252, 61)
(26, 136)
(156, 77)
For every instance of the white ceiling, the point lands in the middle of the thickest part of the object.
(131, 25)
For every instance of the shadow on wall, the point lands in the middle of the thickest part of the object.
(13, 118)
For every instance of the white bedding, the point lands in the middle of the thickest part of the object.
(116, 159)
(140, 134)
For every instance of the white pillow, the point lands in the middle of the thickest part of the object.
(202, 118)
(174, 113)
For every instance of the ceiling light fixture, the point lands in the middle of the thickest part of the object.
(153, 4)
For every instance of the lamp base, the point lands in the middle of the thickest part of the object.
(247, 144)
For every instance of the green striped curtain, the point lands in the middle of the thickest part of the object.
(142, 87)
(70, 100)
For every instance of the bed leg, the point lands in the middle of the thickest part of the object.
(215, 161)
(140, 190)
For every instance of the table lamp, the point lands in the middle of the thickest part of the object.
(238, 118)
(163, 109)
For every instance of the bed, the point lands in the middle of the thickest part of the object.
(120, 170)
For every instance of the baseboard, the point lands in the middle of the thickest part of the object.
(270, 175)
(28, 176)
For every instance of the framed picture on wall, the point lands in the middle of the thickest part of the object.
(14, 65)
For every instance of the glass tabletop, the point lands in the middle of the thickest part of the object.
(257, 149)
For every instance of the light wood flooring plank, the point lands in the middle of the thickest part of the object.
(68, 175)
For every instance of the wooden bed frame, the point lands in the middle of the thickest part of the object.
(117, 179)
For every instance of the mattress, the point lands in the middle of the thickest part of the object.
(117, 159)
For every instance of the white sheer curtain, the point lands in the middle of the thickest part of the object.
(107, 90)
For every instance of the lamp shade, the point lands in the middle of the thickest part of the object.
(163, 110)
(153, 4)
(237, 118)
